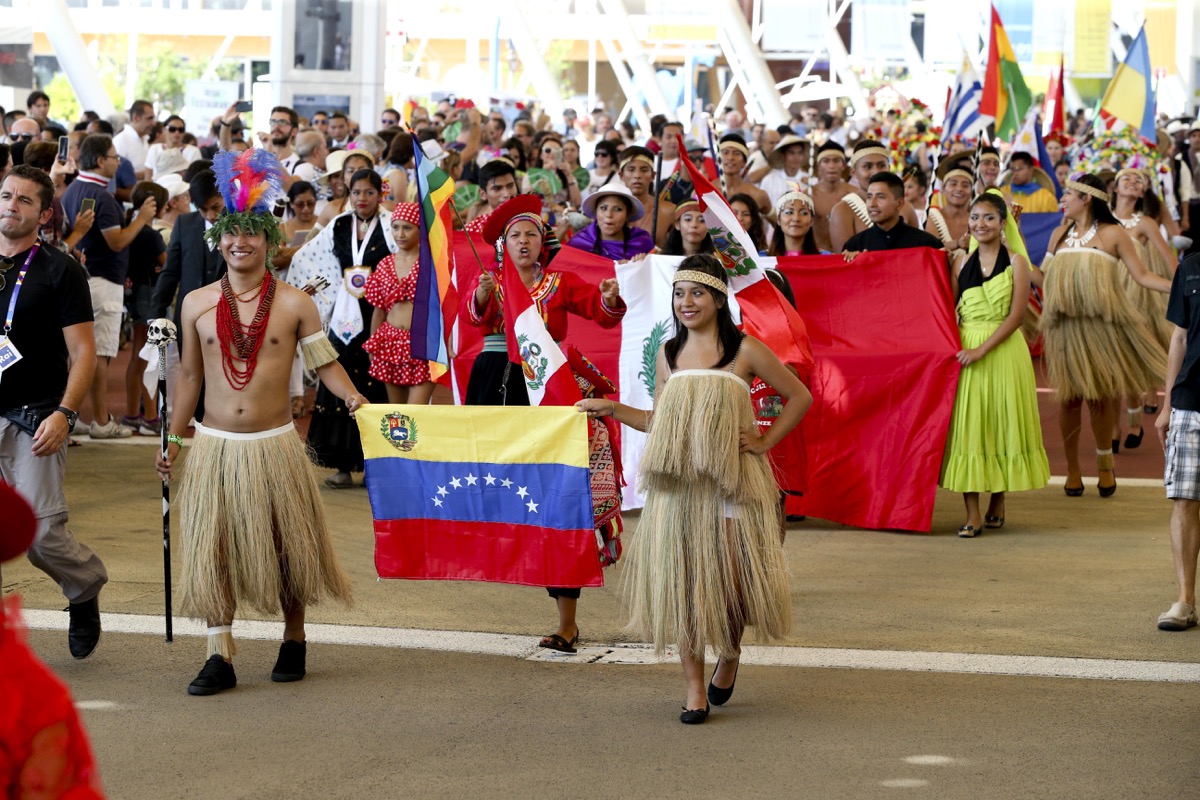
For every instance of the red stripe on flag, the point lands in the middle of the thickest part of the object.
(525, 555)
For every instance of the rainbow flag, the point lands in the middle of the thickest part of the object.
(481, 493)
(1006, 98)
(436, 303)
(1130, 95)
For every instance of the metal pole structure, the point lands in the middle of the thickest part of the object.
(162, 333)
(616, 15)
(73, 56)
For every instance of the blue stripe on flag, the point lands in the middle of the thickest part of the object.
(548, 495)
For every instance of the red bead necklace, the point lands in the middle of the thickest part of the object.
(239, 341)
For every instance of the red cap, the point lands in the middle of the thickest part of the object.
(499, 219)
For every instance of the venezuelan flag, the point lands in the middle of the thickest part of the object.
(1006, 98)
(436, 302)
(1130, 96)
(480, 494)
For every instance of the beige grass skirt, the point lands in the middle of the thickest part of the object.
(1097, 345)
(707, 558)
(253, 526)
(1151, 305)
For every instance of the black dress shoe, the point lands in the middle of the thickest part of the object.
(84, 633)
(1133, 442)
(693, 716)
(718, 696)
(215, 676)
(290, 664)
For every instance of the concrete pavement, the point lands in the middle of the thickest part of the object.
(1072, 578)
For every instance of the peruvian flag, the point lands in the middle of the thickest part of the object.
(547, 374)
(766, 314)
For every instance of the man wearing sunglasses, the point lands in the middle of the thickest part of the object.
(283, 124)
(25, 130)
(47, 355)
(390, 118)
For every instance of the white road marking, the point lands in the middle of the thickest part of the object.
(503, 644)
(96, 705)
(904, 783)
(929, 761)
(1137, 483)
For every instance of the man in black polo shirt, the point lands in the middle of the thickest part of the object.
(1179, 432)
(106, 247)
(46, 361)
(889, 231)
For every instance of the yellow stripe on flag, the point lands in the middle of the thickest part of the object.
(1125, 98)
(492, 434)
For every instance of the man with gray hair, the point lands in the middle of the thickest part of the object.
(312, 150)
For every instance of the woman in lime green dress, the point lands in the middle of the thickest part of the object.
(995, 442)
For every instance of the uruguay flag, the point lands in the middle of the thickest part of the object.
(962, 111)
(479, 493)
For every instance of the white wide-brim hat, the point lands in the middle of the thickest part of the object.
(620, 190)
(174, 184)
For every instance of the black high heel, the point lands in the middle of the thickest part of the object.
(1116, 445)
(1133, 442)
(718, 696)
(1074, 491)
(1149, 409)
(1104, 463)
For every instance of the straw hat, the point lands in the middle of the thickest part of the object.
(636, 210)
(336, 160)
(790, 140)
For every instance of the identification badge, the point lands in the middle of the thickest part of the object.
(9, 354)
(356, 281)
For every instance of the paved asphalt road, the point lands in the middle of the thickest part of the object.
(1069, 587)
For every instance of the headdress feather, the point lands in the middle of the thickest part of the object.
(249, 182)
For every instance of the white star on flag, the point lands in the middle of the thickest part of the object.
(532, 506)
(506, 483)
(456, 483)
(437, 502)
(490, 480)
(471, 479)
(442, 491)
(521, 492)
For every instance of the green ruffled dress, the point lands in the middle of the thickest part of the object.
(995, 441)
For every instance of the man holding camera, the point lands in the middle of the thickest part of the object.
(47, 355)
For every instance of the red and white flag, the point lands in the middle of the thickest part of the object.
(547, 374)
(766, 314)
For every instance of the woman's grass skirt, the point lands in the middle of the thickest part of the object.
(1098, 345)
(253, 526)
(707, 558)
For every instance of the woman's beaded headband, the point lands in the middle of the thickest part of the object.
(696, 276)
(1083, 188)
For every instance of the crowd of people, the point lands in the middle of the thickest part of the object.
(326, 274)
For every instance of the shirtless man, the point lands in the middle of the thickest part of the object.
(828, 191)
(734, 154)
(869, 158)
(955, 174)
(637, 173)
(253, 527)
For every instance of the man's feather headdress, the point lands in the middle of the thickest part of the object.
(249, 182)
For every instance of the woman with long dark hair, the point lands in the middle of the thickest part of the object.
(612, 209)
(995, 441)
(344, 254)
(1097, 346)
(751, 219)
(708, 558)
(689, 235)
(1135, 206)
(522, 238)
(794, 235)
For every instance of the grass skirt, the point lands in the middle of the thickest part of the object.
(253, 526)
(706, 559)
(995, 440)
(1151, 305)
(1098, 345)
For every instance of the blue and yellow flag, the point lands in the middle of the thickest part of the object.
(480, 494)
(1130, 95)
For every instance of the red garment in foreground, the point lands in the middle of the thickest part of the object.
(884, 336)
(44, 751)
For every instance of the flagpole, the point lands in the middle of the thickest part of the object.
(712, 149)
(657, 180)
(458, 216)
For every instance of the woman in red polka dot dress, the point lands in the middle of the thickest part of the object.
(391, 289)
